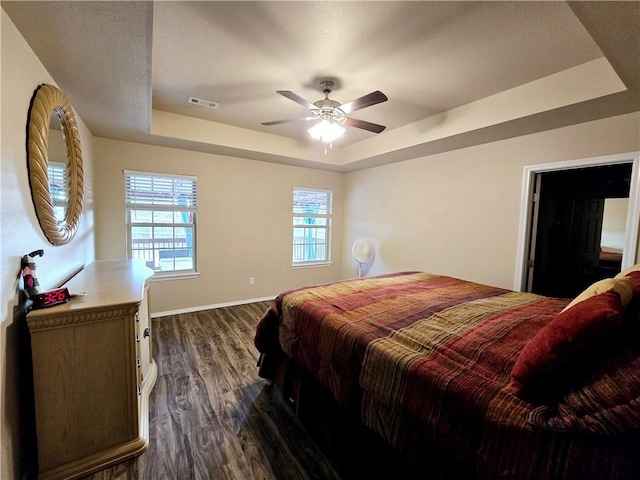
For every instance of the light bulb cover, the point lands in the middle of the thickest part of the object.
(326, 131)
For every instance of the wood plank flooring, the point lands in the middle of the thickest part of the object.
(212, 417)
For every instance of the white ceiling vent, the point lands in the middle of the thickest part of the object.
(203, 103)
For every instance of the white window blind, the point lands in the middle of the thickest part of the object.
(57, 178)
(161, 221)
(312, 209)
(160, 191)
(317, 201)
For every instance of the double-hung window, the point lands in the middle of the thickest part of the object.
(312, 210)
(161, 221)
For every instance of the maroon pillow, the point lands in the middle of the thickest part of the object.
(635, 281)
(563, 344)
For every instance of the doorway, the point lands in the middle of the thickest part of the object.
(579, 223)
(569, 252)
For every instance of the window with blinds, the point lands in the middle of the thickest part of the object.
(312, 211)
(161, 220)
(57, 177)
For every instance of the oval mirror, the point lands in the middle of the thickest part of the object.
(57, 183)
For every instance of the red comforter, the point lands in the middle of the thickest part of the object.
(427, 360)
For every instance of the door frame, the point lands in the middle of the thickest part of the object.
(527, 207)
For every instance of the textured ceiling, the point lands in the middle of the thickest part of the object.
(129, 68)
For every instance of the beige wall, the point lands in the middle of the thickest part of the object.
(458, 213)
(22, 72)
(244, 222)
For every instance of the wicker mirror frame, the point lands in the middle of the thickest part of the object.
(47, 100)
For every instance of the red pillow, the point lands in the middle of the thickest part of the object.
(563, 343)
(635, 281)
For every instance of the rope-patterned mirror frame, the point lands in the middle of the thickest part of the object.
(46, 100)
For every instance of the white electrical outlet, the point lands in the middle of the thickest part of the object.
(252, 281)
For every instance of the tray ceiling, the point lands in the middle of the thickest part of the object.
(456, 73)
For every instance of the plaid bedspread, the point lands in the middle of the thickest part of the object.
(427, 361)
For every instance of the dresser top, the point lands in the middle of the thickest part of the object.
(107, 283)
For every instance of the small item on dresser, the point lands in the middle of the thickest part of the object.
(28, 273)
(50, 298)
(80, 293)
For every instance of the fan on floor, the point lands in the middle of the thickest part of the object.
(363, 252)
(331, 114)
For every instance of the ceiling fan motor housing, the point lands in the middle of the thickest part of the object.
(326, 102)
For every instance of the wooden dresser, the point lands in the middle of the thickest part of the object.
(93, 371)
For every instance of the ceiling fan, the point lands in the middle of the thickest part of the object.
(332, 114)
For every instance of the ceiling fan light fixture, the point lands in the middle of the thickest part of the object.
(332, 115)
(326, 131)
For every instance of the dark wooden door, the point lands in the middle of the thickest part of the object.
(570, 244)
(585, 233)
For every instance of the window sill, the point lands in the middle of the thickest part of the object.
(311, 264)
(162, 277)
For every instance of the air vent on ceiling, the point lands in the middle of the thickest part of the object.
(203, 103)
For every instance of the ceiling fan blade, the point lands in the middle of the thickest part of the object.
(362, 102)
(288, 120)
(297, 98)
(372, 127)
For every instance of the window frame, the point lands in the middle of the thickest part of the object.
(154, 207)
(328, 216)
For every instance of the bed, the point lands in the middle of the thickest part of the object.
(507, 384)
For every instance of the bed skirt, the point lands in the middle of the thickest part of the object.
(358, 451)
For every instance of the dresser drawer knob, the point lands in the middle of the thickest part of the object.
(139, 362)
(147, 332)
(137, 338)
(137, 317)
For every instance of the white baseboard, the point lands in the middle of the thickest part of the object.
(210, 307)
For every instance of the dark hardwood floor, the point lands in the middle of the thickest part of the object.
(212, 417)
